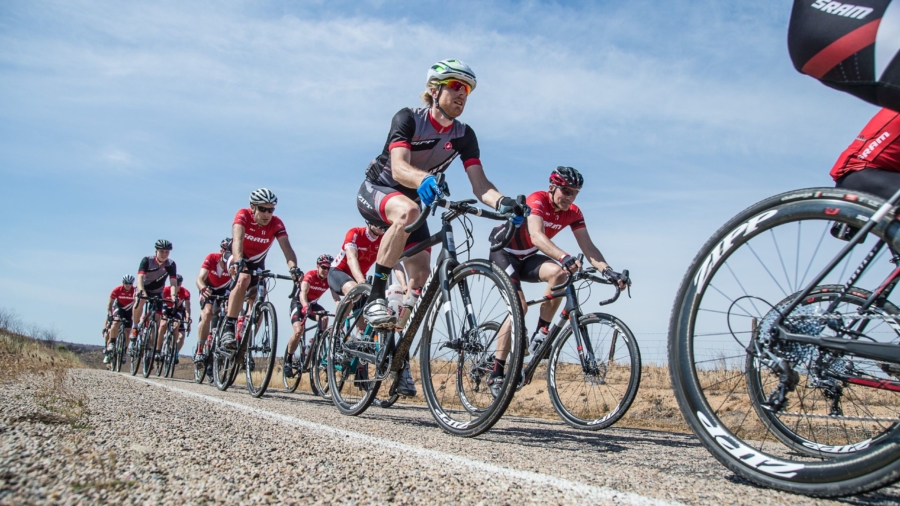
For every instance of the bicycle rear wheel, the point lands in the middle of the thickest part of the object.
(318, 366)
(291, 384)
(262, 343)
(349, 378)
(594, 395)
(149, 342)
(224, 363)
(723, 321)
(119, 349)
(455, 363)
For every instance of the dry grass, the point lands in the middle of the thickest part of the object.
(23, 355)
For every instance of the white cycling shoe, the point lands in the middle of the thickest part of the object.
(379, 315)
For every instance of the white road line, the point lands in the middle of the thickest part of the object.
(591, 493)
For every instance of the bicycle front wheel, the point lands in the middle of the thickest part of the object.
(149, 348)
(136, 353)
(291, 384)
(224, 363)
(742, 387)
(594, 392)
(261, 349)
(318, 366)
(199, 367)
(350, 379)
(119, 350)
(459, 346)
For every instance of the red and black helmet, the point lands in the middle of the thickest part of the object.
(324, 260)
(568, 177)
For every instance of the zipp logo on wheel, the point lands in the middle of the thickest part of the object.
(748, 456)
(748, 227)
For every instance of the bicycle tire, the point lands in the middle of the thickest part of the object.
(705, 385)
(223, 366)
(318, 369)
(200, 367)
(135, 353)
(291, 384)
(343, 382)
(163, 366)
(119, 349)
(595, 399)
(793, 434)
(471, 409)
(150, 335)
(261, 348)
(172, 356)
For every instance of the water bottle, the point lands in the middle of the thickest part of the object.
(538, 339)
(406, 309)
(394, 295)
(239, 328)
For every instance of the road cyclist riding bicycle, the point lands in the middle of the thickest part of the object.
(119, 312)
(304, 306)
(180, 307)
(151, 280)
(253, 232)
(532, 256)
(422, 143)
(213, 280)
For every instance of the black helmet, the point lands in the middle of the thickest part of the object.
(163, 244)
(226, 244)
(324, 260)
(180, 278)
(568, 177)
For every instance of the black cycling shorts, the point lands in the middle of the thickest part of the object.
(879, 182)
(297, 311)
(336, 281)
(527, 269)
(371, 200)
(248, 265)
(153, 306)
(123, 314)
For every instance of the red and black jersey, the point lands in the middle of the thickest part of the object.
(554, 221)
(155, 274)
(851, 47)
(875, 147)
(317, 286)
(183, 296)
(124, 298)
(218, 276)
(258, 239)
(432, 146)
(366, 247)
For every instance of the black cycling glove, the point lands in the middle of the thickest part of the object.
(296, 273)
(614, 276)
(567, 261)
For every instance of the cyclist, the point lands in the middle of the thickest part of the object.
(151, 279)
(182, 305)
(872, 162)
(312, 287)
(422, 142)
(531, 255)
(212, 280)
(358, 253)
(254, 230)
(121, 301)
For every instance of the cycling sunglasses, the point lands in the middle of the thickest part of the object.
(455, 85)
(567, 192)
(268, 210)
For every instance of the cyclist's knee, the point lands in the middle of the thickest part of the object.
(403, 211)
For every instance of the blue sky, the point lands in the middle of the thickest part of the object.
(124, 122)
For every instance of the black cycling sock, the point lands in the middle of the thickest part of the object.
(542, 323)
(230, 322)
(499, 366)
(379, 281)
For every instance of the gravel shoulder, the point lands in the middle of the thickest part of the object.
(163, 441)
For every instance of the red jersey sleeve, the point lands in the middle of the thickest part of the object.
(242, 217)
(278, 230)
(539, 204)
(115, 293)
(308, 277)
(209, 263)
(183, 293)
(577, 219)
(167, 292)
(350, 238)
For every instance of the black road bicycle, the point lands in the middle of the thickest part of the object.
(594, 369)
(143, 348)
(120, 346)
(457, 300)
(784, 349)
(165, 365)
(203, 367)
(257, 336)
(309, 361)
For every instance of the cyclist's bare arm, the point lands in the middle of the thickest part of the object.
(237, 244)
(304, 294)
(353, 262)
(110, 305)
(201, 279)
(482, 188)
(289, 254)
(139, 283)
(589, 249)
(540, 239)
(402, 171)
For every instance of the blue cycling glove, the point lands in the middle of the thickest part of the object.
(429, 191)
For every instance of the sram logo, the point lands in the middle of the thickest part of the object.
(874, 144)
(746, 455)
(839, 9)
(256, 239)
(723, 247)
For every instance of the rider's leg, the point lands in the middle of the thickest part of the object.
(503, 335)
(161, 334)
(112, 332)
(400, 211)
(878, 182)
(179, 336)
(296, 337)
(236, 298)
(206, 314)
(553, 275)
(136, 318)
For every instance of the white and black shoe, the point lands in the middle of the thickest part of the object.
(379, 315)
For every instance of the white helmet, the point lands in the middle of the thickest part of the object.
(451, 69)
(263, 196)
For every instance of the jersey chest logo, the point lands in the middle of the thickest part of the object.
(448, 146)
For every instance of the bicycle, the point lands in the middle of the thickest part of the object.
(166, 361)
(364, 362)
(203, 368)
(257, 336)
(594, 368)
(144, 347)
(785, 367)
(120, 345)
(318, 381)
